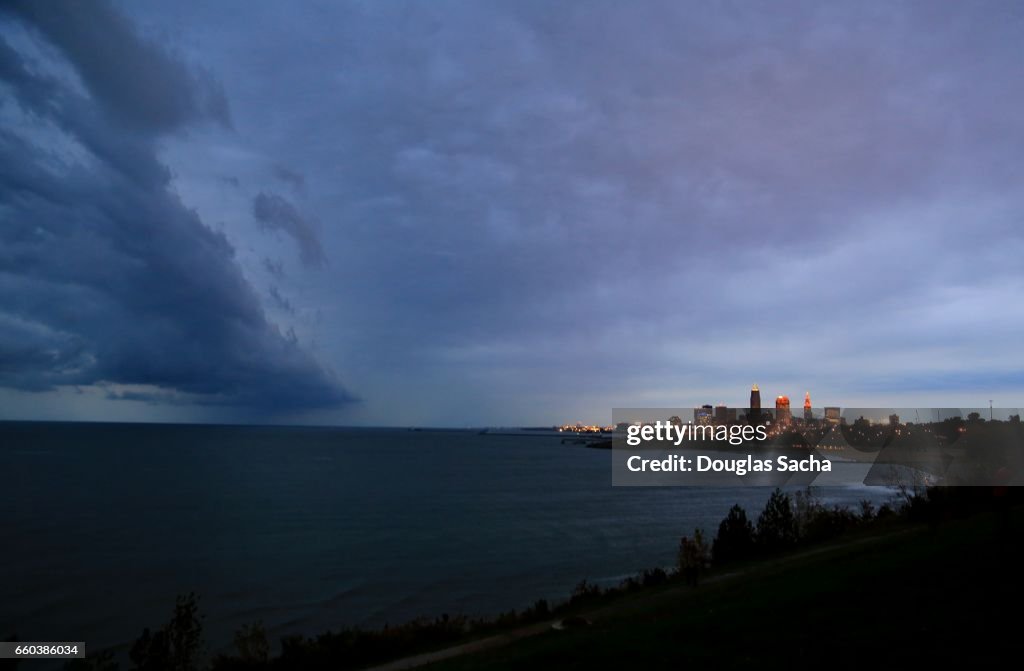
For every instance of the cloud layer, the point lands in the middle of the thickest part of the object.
(504, 212)
(107, 278)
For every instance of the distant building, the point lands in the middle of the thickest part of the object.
(808, 415)
(703, 415)
(782, 412)
(894, 419)
(754, 415)
(722, 414)
(832, 415)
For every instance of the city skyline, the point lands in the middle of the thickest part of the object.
(503, 213)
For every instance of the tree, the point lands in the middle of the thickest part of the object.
(252, 644)
(735, 539)
(174, 647)
(805, 507)
(776, 526)
(867, 510)
(150, 652)
(693, 556)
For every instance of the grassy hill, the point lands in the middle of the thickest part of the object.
(948, 592)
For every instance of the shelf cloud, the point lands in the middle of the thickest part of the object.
(107, 277)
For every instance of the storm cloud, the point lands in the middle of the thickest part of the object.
(519, 212)
(107, 278)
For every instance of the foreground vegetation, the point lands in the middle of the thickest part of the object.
(780, 585)
(940, 593)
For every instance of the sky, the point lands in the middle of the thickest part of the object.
(506, 213)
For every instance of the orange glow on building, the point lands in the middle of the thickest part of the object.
(782, 413)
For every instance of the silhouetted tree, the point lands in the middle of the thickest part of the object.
(252, 644)
(776, 526)
(584, 591)
(735, 539)
(150, 652)
(805, 506)
(693, 556)
(540, 609)
(867, 510)
(174, 647)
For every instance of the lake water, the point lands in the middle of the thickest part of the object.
(309, 529)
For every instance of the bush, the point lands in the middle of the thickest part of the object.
(585, 591)
(826, 523)
(653, 577)
(355, 648)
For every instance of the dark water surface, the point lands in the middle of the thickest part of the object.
(309, 529)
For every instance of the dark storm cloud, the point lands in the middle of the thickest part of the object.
(530, 205)
(274, 212)
(138, 83)
(106, 278)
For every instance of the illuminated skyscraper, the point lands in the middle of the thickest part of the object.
(807, 407)
(703, 415)
(755, 404)
(782, 413)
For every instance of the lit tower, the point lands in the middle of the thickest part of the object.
(807, 407)
(782, 413)
(755, 404)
